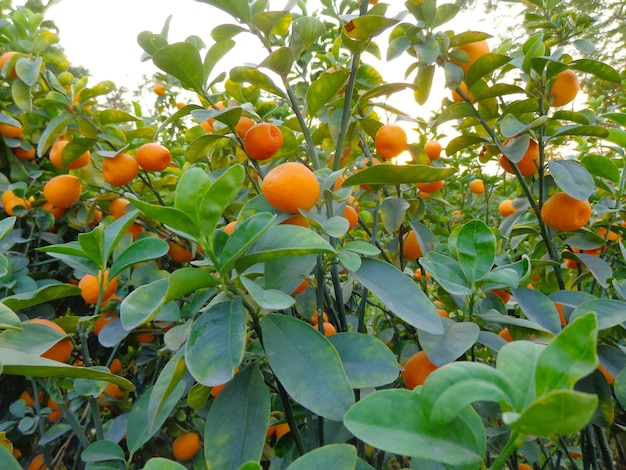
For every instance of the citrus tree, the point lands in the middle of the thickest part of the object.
(252, 279)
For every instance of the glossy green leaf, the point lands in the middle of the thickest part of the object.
(40, 296)
(611, 312)
(597, 69)
(538, 308)
(559, 412)
(143, 304)
(6, 225)
(114, 232)
(217, 197)
(573, 178)
(516, 148)
(499, 89)
(28, 69)
(284, 240)
(8, 319)
(392, 212)
(517, 361)
(6, 457)
(279, 61)
(242, 74)
(324, 89)
(601, 166)
(21, 94)
(238, 9)
(272, 22)
(102, 450)
(475, 249)
(216, 343)
(593, 131)
(191, 186)
(241, 413)
(182, 60)
(568, 357)
(92, 244)
(307, 365)
(496, 317)
(141, 432)
(151, 42)
(169, 377)
(270, 299)
(400, 294)
(215, 53)
(114, 116)
(169, 216)
(140, 251)
(424, 83)
(462, 142)
(305, 30)
(450, 389)
(185, 281)
(456, 339)
(161, 463)
(397, 421)
(368, 361)
(75, 149)
(485, 65)
(331, 456)
(454, 112)
(246, 233)
(396, 174)
(447, 272)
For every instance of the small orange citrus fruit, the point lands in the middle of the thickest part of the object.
(262, 141)
(291, 186)
(564, 213)
(62, 190)
(390, 141)
(120, 170)
(153, 157)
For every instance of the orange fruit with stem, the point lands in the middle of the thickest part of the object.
(291, 186)
(390, 141)
(262, 141)
(120, 170)
(505, 208)
(7, 196)
(116, 366)
(15, 205)
(527, 165)
(62, 350)
(111, 392)
(229, 228)
(56, 152)
(90, 287)
(456, 96)
(243, 125)
(329, 329)
(62, 190)
(186, 446)
(564, 213)
(153, 157)
(477, 186)
(117, 207)
(433, 149)
(564, 88)
(474, 51)
(417, 369)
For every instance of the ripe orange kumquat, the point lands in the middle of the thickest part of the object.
(153, 157)
(15, 132)
(4, 59)
(37, 463)
(474, 51)
(417, 369)
(477, 186)
(527, 165)
(411, 248)
(291, 186)
(390, 141)
(62, 190)
(315, 318)
(159, 89)
(433, 149)
(90, 287)
(117, 207)
(60, 351)
(564, 213)
(431, 187)
(505, 335)
(120, 170)
(243, 125)
(351, 215)
(262, 141)
(178, 252)
(56, 153)
(186, 446)
(25, 154)
(564, 88)
(524, 466)
(505, 208)
(57, 212)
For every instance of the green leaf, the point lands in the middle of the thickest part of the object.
(305, 30)
(284, 240)
(457, 385)
(242, 74)
(169, 216)
(399, 174)
(184, 281)
(238, 9)
(496, 317)
(485, 65)
(103, 450)
(573, 178)
(6, 225)
(6, 457)
(40, 296)
(307, 365)
(141, 432)
(114, 232)
(151, 42)
(447, 272)
(216, 343)
(143, 304)
(191, 186)
(324, 89)
(215, 53)
(140, 251)
(279, 61)
(392, 212)
(169, 377)
(241, 412)
(462, 142)
(92, 244)
(21, 94)
(597, 69)
(24, 364)
(611, 312)
(397, 421)
(517, 361)
(560, 412)
(368, 361)
(272, 22)
(203, 145)
(601, 166)
(114, 116)
(28, 69)
(454, 112)
(331, 456)
(217, 197)
(8, 319)
(161, 463)
(476, 249)
(569, 357)
(456, 339)
(182, 60)
(270, 299)
(400, 294)
(538, 307)
(499, 89)
(592, 131)
(424, 81)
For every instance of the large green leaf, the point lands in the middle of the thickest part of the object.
(103, 450)
(399, 174)
(611, 312)
(143, 304)
(40, 296)
(456, 339)
(400, 294)
(538, 307)
(8, 319)
(246, 233)
(307, 365)
(331, 457)
(140, 251)
(305, 30)
(397, 421)
(368, 361)
(187, 280)
(324, 89)
(270, 299)
(569, 357)
(596, 68)
(573, 178)
(217, 197)
(517, 361)
(241, 413)
(161, 463)
(447, 272)
(475, 249)
(189, 190)
(169, 216)
(279, 61)
(238, 9)
(169, 377)
(485, 65)
(215, 53)
(216, 343)
(257, 78)
(182, 60)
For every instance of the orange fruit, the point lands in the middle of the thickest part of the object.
(229, 228)
(291, 186)
(418, 276)
(217, 389)
(411, 247)
(14, 132)
(564, 213)
(417, 369)
(103, 320)
(62, 350)
(297, 219)
(37, 463)
(329, 329)
(442, 313)
(564, 88)
(612, 236)
(117, 207)
(4, 58)
(178, 252)
(351, 215)
(281, 430)
(506, 208)
(474, 51)
(29, 400)
(527, 165)
(16, 203)
(153, 157)
(262, 141)
(111, 392)
(56, 152)
(457, 98)
(56, 412)
(24, 154)
(159, 89)
(390, 141)
(505, 335)
(147, 337)
(315, 318)
(607, 375)
(207, 126)
(135, 230)
(477, 186)
(90, 287)
(562, 317)
(186, 446)
(431, 187)
(503, 294)
(433, 149)
(57, 212)
(62, 190)
(120, 170)
(7, 196)
(243, 125)
(301, 287)
(116, 366)
(524, 466)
